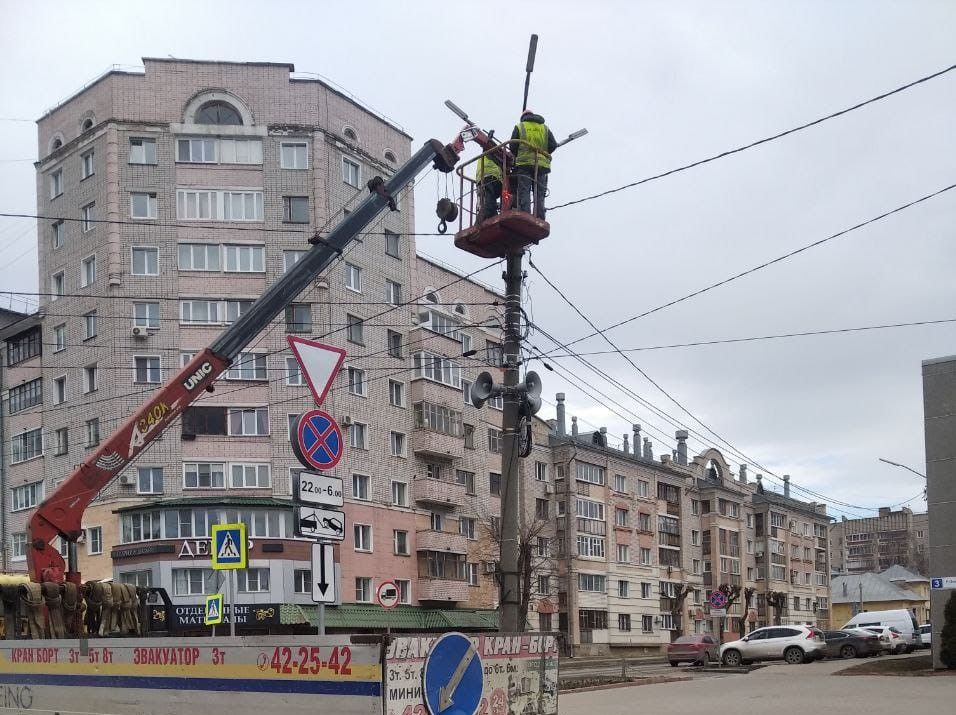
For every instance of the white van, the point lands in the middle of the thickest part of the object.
(901, 619)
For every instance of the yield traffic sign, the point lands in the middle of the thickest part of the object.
(319, 363)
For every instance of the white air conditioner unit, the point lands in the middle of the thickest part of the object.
(760, 552)
(491, 566)
(126, 480)
(548, 488)
(345, 421)
(138, 332)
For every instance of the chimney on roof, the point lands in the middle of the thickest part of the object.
(845, 589)
(743, 474)
(574, 426)
(665, 459)
(786, 485)
(562, 429)
(637, 440)
(885, 510)
(759, 484)
(681, 436)
(648, 449)
(627, 446)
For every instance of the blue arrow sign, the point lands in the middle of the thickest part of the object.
(453, 678)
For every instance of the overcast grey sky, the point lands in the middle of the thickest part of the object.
(659, 85)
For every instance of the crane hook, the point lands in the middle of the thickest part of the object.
(446, 210)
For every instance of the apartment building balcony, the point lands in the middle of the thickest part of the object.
(778, 559)
(673, 508)
(708, 578)
(441, 589)
(441, 541)
(731, 579)
(665, 539)
(822, 543)
(438, 492)
(731, 551)
(436, 445)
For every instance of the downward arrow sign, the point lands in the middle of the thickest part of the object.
(323, 584)
(446, 694)
(322, 566)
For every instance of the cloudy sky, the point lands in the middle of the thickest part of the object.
(659, 85)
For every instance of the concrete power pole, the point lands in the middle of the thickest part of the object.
(510, 601)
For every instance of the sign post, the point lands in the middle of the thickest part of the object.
(943, 583)
(230, 552)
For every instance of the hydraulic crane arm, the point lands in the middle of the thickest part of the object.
(61, 514)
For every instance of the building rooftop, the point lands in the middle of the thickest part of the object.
(846, 589)
(898, 573)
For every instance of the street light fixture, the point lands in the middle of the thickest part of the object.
(903, 466)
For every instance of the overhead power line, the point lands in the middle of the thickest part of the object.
(758, 142)
(766, 264)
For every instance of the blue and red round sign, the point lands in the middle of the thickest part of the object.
(318, 442)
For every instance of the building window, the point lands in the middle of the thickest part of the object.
(393, 292)
(94, 540)
(360, 486)
(645, 557)
(394, 344)
(56, 183)
(298, 318)
(494, 483)
(142, 151)
(145, 261)
(149, 480)
(396, 393)
(244, 259)
(295, 209)
(92, 432)
(624, 621)
(198, 257)
(404, 590)
(363, 589)
(194, 582)
(26, 496)
(467, 479)
(86, 165)
(358, 435)
(88, 217)
(250, 421)
(355, 329)
(142, 205)
(294, 155)
(393, 244)
(620, 517)
(467, 527)
(541, 510)
(647, 624)
(57, 285)
(200, 205)
(90, 378)
(18, 551)
(494, 440)
(353, 277)
(57, 234)
(247, 366)
(590, 473)
(147, 369)
(397, 443)
(623, 554)
(290, 258)
(87, 271)
(146, 315)
(28, 394)
(351, 172)
(468, 432)
(204, 475)
(590, 546)
(196, 151)
(357, 382)
(250, 476)
(400, 542)
(363, 537)
(399, 494)
(620, 483)
(293, 374)
(62, 441)
(437, 368)
(302, 580)
(240, 151)
(252, 580)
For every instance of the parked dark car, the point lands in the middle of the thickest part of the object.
(694, 649)
(847, 644)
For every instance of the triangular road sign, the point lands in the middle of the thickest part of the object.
(319, 363)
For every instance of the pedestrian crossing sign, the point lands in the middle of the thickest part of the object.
(229, 546)
(213, 615)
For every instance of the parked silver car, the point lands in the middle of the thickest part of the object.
(794, 644)
(926, 634)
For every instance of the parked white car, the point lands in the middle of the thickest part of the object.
(902, 620)
(891, 640)
(926, 633)
(794, 644)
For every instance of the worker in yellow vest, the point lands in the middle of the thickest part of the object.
(531, 168)
(488, 176)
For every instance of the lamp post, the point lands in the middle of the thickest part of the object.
(903, 466)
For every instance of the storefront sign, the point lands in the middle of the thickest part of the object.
(193, 615)
(183, 549)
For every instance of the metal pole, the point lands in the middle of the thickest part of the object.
(321, 619)
(232, 602)
(510, 578)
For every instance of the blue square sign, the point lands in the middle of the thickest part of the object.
(229, 546)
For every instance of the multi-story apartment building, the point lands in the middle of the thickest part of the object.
(643, 542)
(875, 543)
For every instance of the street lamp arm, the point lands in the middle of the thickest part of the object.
(897, 464)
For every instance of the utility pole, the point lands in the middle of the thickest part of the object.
(510, 600)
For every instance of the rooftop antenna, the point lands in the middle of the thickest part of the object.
(532, 48)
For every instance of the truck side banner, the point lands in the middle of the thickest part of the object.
(520, 674)
(191, 676)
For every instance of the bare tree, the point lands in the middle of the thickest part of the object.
(732, 594)
(677, 606)
(749, 593)
(778, 601)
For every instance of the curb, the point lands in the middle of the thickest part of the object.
(652, 680)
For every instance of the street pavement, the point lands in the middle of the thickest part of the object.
(777, 688)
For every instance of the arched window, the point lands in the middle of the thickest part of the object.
(460, 309)
(390, 157)
(87, 124)
(713, 471)
(218, 113)
(432, 297)
(57, 143)
(350, 134)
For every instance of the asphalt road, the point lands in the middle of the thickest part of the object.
(778, 688)
(639, 669)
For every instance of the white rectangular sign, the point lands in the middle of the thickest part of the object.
(316, 488)
(718, 612)
(943, 583)
(323, 574)
(314, 522)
